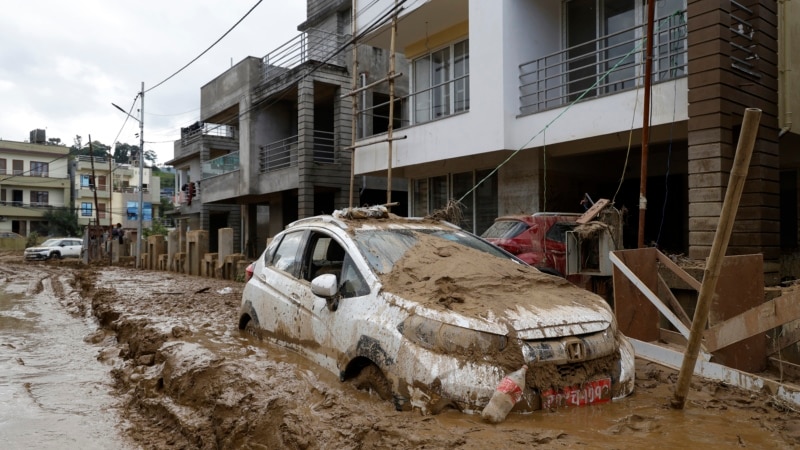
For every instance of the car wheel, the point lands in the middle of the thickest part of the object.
(371, 379)
(252, 329)
(55, 255)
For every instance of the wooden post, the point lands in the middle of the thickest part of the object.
(390, 129)
(741, 163)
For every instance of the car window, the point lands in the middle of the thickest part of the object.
(286, 255)
(558, 232)
(270, 251)
(352, 283)
(383, 248)
(505, 229)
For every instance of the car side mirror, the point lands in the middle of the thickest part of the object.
(326, 286)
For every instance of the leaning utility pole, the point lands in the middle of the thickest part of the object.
(648, 70)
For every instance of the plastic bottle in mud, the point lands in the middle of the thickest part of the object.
(507, 394)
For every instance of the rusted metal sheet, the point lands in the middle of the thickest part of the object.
(740, 287)
(636, 315)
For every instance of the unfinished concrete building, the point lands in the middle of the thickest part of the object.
(273, 141)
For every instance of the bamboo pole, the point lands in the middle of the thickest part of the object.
(741, 163)
(390, 129)
(354, 122)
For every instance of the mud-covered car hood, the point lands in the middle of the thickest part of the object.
(525, 321)
(461, 286)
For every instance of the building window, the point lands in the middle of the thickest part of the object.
(2, 166)
(39, 169)
(86, 209)
(86, 181)
(441, 82)
(39, 198)
(479, 207)
(101, 210)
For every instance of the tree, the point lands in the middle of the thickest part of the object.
(150, 155)
(62, 222)
(125, 153)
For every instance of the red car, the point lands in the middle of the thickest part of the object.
(538, 239)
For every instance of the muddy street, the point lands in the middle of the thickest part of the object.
(108, 357)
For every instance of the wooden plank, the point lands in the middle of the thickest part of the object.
(778, 343)
(671, 337)
(669, 264)
(592, 212)
(636, 316)
(785, 367)
(650, 295)
(672, 302)
(758, 320)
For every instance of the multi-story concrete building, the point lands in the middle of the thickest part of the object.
(527, 105)
(34, 178)
(111, 195)
(272, 142)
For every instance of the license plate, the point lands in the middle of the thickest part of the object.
(589, 393)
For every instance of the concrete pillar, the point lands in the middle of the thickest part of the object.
(305, 147)
(224, 245)
(718, 95)
(173, 247)
(197, 246)
(156, 246)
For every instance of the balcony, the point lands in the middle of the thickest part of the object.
(281, 154)
(604, 66)
(196, 134)
(313, 45)
(221, 165)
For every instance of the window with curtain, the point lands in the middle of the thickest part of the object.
(86, 209)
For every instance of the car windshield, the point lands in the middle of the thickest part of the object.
(505, 229)
(50, 243)
(384, 248)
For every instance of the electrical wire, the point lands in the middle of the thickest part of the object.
(206, 50)
(560, 114)
(669, 159)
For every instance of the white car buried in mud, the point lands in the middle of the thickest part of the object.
(430, 316)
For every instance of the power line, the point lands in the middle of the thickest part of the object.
(206, 50)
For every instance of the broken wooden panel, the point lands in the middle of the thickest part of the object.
(756, 321)
(636, 316)
(740, 287)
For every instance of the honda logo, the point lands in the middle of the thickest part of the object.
(576, 351)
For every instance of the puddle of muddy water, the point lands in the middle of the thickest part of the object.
(53, 392)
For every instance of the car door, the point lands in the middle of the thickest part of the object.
(72, 248)
(275, 299)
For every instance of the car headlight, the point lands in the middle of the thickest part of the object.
(442, 337)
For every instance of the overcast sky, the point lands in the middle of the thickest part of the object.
(62, 63)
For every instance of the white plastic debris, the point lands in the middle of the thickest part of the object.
(507, 394)
(225, 290)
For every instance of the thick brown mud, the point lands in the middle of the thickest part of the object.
(184, 376)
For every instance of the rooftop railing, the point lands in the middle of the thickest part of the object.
(313, 45)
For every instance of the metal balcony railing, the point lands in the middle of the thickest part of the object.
(221, 165)
(324, 147)
(743, 57)
(313, 45)
(281, 154)
(604, 66)
(278, 155)
(199, 129)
